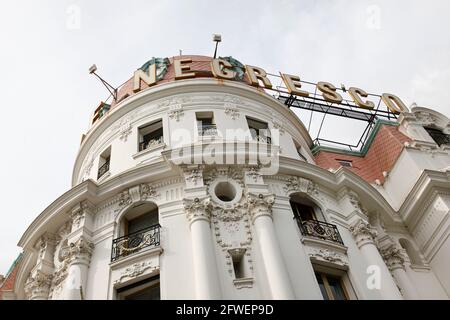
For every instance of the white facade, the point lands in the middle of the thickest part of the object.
(395, 236)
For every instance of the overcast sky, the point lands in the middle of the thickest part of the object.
(46, 48)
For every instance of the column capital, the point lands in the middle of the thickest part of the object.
(363, 233)
(37, 286)
(260, 204)
(197, 209)
(393, 257)
(80, 251)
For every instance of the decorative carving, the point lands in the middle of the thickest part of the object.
(135, 270)
(228, 99)
(89, 163)
(176, 111)
(425, 118)
(231, 223)
(193, 176)
(234, 213)
(278, 125)
(175, 105)
(243, 283)
(37, 285)
(174, 101)
(148, 192)
(44, 242)
(78, 213)
(393, 256)
(232, 111)
(124, 198)
(124, 129)
(329, 256)
(363, 233)
(260, 204)
(356, 203)
(297, 184)
(59, 276)
(235, 173)
(81, 249)
(197, 209)
(254, 174)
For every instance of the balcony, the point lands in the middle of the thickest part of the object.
(138, 241)
(103, 169)
(207, 130)
(263, 139)
(320, 230)
(151, 143)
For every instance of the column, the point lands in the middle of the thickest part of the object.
(38, 284)
(396, 263)
(260, 209)
(203, 254)
(80, 252)
(365, 240)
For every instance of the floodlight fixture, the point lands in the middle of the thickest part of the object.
(216, 38)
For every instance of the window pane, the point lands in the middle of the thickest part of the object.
(322, 287)
(438, 136)
(303, 212)
(336, 288)
(150, 293)
(143, 221)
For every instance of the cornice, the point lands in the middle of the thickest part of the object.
(421, 195)
(96, 194)
(180, 87)
(337, 180)
(62, 204)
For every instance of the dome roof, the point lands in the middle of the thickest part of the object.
(201, 65)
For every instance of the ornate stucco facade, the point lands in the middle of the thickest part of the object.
(229, 230)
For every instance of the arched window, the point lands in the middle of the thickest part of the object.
(304, 209)
(140, 217)
(310, 220)
(413, 253)
(139, 230)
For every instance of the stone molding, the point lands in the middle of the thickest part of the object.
(197, 209)
(37, 286)
(393, 257)
(363, 233)
(260, 205)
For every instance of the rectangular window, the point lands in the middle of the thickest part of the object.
(345, 163)
(103, 163)
(238, 266)
(331, 286)
(151, 135)
(438, 136)
(259, 130)
(147, 289)
(205, 124)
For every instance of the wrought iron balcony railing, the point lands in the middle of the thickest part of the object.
(264, 139)
(207, 130)
(151, 143)
(103, 169)
(321, 230)
(136, 242)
